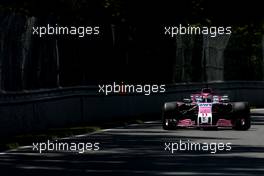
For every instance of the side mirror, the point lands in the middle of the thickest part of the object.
(187, 100)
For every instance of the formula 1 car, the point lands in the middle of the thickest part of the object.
(206, 110)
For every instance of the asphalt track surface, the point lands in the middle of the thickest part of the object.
(140, 150)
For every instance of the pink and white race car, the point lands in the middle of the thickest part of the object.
(206, 110)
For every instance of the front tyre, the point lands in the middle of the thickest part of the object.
(169, 112)
(242, 124)
(241, 112)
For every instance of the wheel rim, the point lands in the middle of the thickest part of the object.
(243, 122)
(166, 122)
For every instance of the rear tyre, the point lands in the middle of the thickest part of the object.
(241, 112)
(169, 112)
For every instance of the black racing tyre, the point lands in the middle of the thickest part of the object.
(241, 116)
(169, 111)
(241, 108)
(242, 124)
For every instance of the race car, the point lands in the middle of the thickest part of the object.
(206, 110)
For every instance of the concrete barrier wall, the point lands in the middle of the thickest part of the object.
(38, 110)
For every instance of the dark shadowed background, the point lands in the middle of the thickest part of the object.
(131, 47)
